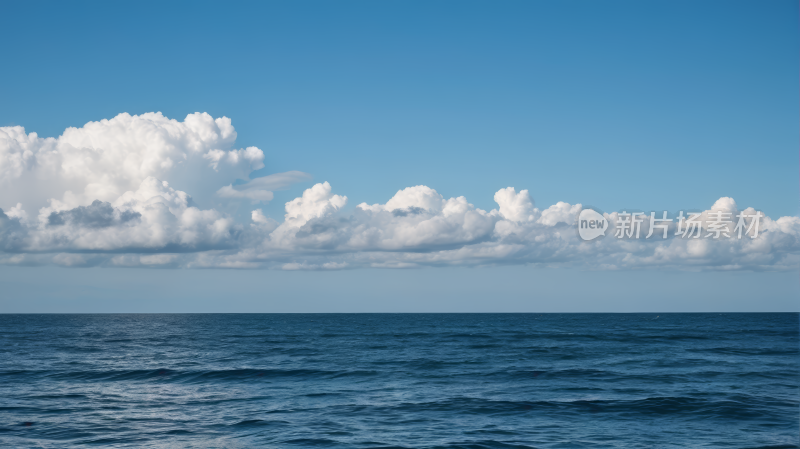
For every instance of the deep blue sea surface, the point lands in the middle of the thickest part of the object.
(400, 380)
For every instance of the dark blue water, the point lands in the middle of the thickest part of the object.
(411, 381)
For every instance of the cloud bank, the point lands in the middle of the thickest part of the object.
(107, 194)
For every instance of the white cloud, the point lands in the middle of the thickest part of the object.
(410, 199)
(108, 194)
(250, 155)
(103, 160)
(316, 202)
(418, 217)
(18, 213)
(515, 206)
(560, 212)
(259, 219)
(153, 217)
(16, 151)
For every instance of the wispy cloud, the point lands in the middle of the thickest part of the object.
(260, 189)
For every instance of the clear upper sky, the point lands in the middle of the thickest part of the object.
(666, 105)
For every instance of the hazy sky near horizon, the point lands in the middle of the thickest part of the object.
(343, 156)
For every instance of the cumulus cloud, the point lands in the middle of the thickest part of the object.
(316, 202)
(103, 160)
(153, 218)
(515, 206)
(251, 156)
(419, 217)
(419, 227)
(114, 193)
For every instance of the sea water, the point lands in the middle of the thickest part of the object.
(716, 380)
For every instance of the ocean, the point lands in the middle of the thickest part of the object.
(715, 380)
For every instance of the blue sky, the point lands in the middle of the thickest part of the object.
(617, 105)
